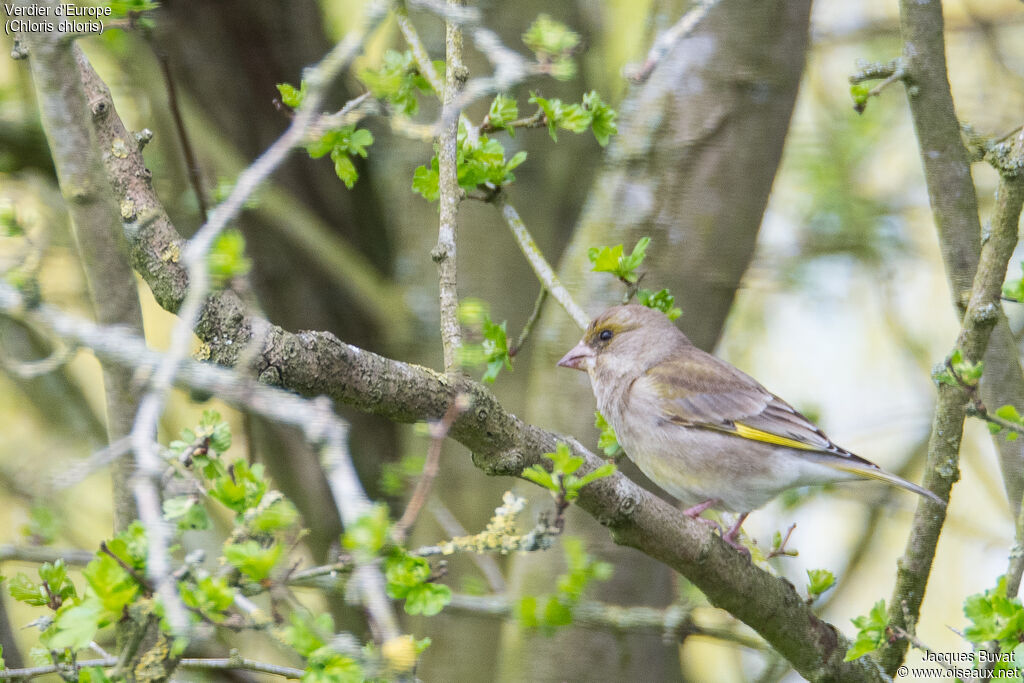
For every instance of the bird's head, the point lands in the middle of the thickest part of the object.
(623, 337)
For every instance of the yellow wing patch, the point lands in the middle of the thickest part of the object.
(767, 437)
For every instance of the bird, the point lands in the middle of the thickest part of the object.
(701, 429)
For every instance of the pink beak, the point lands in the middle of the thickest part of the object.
(577, 357)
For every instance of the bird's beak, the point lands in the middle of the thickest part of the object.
(581, 357)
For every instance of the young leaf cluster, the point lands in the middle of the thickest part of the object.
(553, 44)
(1014, 289)
(819, 581)
(342, 144)
(1010, 414)
(562, 481)
(487, 341)
(407, 577)
(607, 441)
(226, 259)
(546, 613)
(661, 300)
(398, 80)
(591, 114)
(113, 583)
(872, 632)
(959, 372)
(995, 618)
(481, 161)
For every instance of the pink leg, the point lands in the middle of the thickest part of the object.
(733, 533)
(698, 509)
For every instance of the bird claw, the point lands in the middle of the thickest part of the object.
(733, 534)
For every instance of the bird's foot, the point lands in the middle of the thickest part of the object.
(733, 534)
(697, 510)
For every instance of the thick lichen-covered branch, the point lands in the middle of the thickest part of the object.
(314, 363)
(318, 363)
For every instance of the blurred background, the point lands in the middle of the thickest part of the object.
(843, 308)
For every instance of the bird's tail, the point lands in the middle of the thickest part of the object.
(869, 471)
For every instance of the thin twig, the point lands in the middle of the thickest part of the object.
(419, 52)
(450, 194)
(452, 529)
(431, 466)
(191, 162)
(131, 571)
(30, 369)
(232, 663)
(667, 40)
(538, 307)
(540, 266)
(29, 553)
(78, 471)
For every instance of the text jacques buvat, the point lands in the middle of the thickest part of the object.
(64, 17)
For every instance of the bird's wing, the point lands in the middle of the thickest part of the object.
(707, 392)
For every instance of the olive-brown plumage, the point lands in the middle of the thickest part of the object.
(700, 428)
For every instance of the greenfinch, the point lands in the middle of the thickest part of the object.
(698, 427)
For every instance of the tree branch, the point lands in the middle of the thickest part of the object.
(540, 266)
(65, 115)
(317, 362)
(954, 206)
(450, 194)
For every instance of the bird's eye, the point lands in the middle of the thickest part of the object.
(605, 335)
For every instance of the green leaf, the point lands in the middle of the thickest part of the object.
(211, 596)
(1009, 412)
(540, 476)
(526, 612)
(23, 589)
(425, 181)
(252, 559)
(607, 441)
(503, 110)
(408, 579)
(279, 515)
(552, 42)
(819, 581)
(367, 536)
(427, 599)
(290, 95)
(661, 301)
(397, 81)
(605, 470)
(241, 487)
(602, 117)
(612, 260)
(307, 634)
(871, 632)
(556, 613)
(56, 577)
(93, 674)
(1014, 289)
(859, 93)
(114, 587)
(189, 512)
(74, 626)
(341, 144)
(226, 259)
